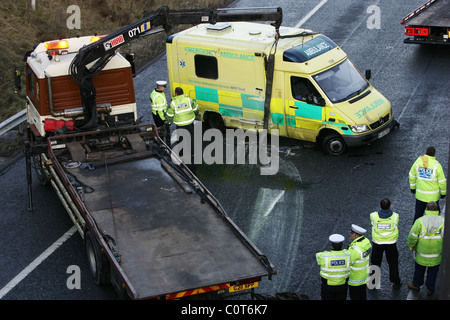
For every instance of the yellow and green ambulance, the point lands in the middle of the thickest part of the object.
(315, 93)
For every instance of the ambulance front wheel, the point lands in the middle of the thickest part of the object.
(333, 144)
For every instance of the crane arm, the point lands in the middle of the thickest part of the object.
(100, 52)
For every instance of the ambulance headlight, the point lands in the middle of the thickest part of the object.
(360, 128)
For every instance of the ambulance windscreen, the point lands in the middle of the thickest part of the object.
(309, 49)
(341, 82)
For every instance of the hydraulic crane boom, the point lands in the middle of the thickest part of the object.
(100, 52)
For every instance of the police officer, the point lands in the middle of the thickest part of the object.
(334, 269)
(359, 250)
(426, 239)
(159, 103)
(384, 238)
(182, 111)
(427, 181)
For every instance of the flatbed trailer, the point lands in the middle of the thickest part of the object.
(151, 228)
(429, 24)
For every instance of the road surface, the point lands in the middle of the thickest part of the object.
(290, 215)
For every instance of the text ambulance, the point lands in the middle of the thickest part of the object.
(316, 94)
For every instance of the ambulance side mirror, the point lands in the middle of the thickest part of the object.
(368, 74)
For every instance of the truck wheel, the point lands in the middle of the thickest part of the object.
(215, 121)
(333, 145)
(98, 263)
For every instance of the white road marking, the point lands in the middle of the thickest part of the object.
(274, 202)
(310, 14)
(44, 255)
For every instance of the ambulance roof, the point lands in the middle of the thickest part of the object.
(246, 34)
(302, 50)
(58, 65)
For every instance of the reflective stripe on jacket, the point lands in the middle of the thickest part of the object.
(426, 238)
(359, 250)
(334, 266)
(427, 177)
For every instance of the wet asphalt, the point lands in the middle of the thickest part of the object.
(289, 215)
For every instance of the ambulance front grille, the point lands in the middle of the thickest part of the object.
(380, 122)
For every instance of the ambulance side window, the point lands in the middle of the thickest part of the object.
(206, 67)
(304, 90)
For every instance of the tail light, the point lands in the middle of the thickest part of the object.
(417, 31)
(51, 125)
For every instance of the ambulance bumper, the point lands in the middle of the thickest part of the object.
(365, 138)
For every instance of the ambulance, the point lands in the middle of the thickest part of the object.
(293, 82)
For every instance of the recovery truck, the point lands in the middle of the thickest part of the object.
(296, 83)
(150, 227)
(428, 24)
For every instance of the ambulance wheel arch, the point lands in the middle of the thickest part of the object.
(214, 120)
(331, 142)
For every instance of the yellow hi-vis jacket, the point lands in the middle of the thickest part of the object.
(334, 266)
(428, 179)
(384, 230)
(426, 238)
(182, 110)
(359, 250)
(159, 103)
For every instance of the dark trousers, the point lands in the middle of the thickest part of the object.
(420, 209)
(157, 119)
(333, 292)
(391, 257)
(190, 130)
(358, 292)
(419, 275)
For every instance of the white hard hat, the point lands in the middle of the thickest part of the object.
(358, 229)
(336, 238)
(161, 83)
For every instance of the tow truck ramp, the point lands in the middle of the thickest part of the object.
(162, 233)
(429, 23)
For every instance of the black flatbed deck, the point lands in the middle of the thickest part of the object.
(168, 240)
